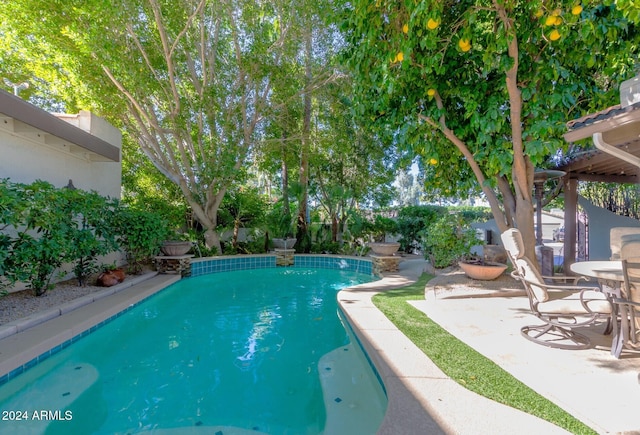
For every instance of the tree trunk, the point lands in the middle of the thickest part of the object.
(285, 181)
(302, 227)
(212, 240)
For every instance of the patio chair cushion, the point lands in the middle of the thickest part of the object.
(529, 272)
(513, 243)
(571, 305)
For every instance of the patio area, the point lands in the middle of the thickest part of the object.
(590, 384)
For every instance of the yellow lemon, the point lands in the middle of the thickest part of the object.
(538, 13)
(576, 10)
(550, 21)
(433, 161)
(558, 21)
(554, 35)
(431, 92)
(405, 28)
(400, 57)
(464, 45)
(432, 24)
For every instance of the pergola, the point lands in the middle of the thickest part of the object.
(614, 157)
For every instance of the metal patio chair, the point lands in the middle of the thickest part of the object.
(561, 308)
(629, 303)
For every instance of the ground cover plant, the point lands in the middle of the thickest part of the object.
(463, 364)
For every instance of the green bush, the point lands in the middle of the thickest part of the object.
(448, 240)
(140, 233)
(42, 225)
(412, 221)
(91, 231)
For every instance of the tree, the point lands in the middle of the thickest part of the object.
(495, 81)
(190, 81)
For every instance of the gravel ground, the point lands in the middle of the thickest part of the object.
(20, 304)
(23, 303)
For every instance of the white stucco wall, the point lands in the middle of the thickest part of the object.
(26, 158)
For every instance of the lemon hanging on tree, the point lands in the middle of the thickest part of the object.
(464, 44)
(554, 35)
(576, 9)
(432, 24)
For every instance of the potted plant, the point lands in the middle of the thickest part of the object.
(378, 230)
(451, 240)
(179, 244)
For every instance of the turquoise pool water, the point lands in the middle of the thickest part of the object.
(262, 351)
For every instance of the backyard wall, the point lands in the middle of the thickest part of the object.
(600, 223)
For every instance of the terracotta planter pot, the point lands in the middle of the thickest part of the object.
(485, 272)
(110, 278)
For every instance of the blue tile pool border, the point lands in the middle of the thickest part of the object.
(210, 265)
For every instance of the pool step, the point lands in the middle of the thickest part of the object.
(48, 399)
(351, 410)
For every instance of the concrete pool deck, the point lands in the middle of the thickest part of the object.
(421, 398)
(593, 386)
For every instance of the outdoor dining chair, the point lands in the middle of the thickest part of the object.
(629, 303)
(561, 308)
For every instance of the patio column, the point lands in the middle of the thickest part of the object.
(570, 224)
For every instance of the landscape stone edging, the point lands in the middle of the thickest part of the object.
(25, 323)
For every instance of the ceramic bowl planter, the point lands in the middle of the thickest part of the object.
(175, 248)
(386, 249)
(485, 271)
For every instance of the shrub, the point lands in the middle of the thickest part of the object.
(412, 221)
(447, 240)
(42, 226)
(140, 233)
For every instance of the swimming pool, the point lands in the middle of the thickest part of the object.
(257, 350)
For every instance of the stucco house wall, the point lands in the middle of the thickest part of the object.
(30, 154)
(38, 145)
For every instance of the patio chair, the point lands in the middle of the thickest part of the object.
(619, 236)
(629, 304)
(560, 307)
(514, 245)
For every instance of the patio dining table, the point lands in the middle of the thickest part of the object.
(610, 279)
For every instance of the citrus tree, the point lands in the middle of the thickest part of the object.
(481, 90)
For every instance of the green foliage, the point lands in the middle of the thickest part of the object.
(140, 233)
(448, 240)
(471, 213)
(90, 232)
(279, 224)
(381, 226)
(482, 115)
(412, 221)
(41, 242)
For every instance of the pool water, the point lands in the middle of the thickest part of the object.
(263, 351)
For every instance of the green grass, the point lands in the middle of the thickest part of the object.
(463, 364)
